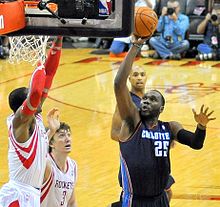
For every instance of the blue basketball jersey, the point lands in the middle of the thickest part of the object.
(136, 99)
(144, 160)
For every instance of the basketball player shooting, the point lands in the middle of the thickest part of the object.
(145, 141)
(28, 141)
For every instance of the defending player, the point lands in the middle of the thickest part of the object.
(58, 190)
(28, 141)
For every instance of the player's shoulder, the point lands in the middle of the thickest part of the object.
(9, 119)
(73, 168)
(71, 161)
(174, 124)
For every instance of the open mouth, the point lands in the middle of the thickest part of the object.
(139, 83)
(145, 108)
(68, 146)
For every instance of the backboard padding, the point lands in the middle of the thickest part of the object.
(118, 24)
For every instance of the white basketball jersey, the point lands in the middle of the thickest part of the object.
(27, 161)
(57, 190)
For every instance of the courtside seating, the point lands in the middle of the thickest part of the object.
(196, 10)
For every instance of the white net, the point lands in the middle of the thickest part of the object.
(27, 48)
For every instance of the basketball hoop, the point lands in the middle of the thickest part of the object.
(28, 48)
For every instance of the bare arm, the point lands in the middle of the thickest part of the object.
(72, 201)
(48, 171)
(53, 122)
(202, 26)
(128, 112)
(194, 140)
(21, 126)
(24, 116)
(116, 125)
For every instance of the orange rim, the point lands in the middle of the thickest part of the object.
(12, 16)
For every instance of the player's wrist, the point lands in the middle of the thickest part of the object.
(45, 92)
(137, 45)
(200, 126)
(57, 45)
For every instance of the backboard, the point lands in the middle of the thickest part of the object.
(89, 18)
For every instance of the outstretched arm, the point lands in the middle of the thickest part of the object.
(51, 65)
(53, 122)
(194, 140)
(127, 109)
(24, 116)
(202, 26)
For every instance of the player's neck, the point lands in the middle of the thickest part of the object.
(151, 124)
(60, 160)
(139, 92)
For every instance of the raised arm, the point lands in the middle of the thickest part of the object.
(51, 65)
(116, 125)
(194, 140)
(53, 122)
(161, 21)
(127, 110)
(202, 26)
(24, 116)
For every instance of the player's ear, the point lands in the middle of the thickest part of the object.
(161, 109)
(51, 142)
(51, 145)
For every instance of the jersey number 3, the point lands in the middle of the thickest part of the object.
(64, 197)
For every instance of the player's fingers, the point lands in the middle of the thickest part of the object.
(206, 110)
(201, 109)
(57, 115)
(52, 111)
(56, 111)
(134, 38)
(210, 113)
(211, 118)
(194, 112)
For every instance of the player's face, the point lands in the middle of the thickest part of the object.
(151, 104)
(62, 141)
(138, 78)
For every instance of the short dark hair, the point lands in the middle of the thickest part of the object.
(17, 97)
(63, 126)
(162, 97)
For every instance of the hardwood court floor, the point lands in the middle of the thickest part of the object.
(83, 91)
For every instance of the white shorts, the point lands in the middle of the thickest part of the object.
(26, 196)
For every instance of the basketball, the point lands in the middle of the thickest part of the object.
(145, 21)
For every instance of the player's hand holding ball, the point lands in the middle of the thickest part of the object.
(145, 22)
